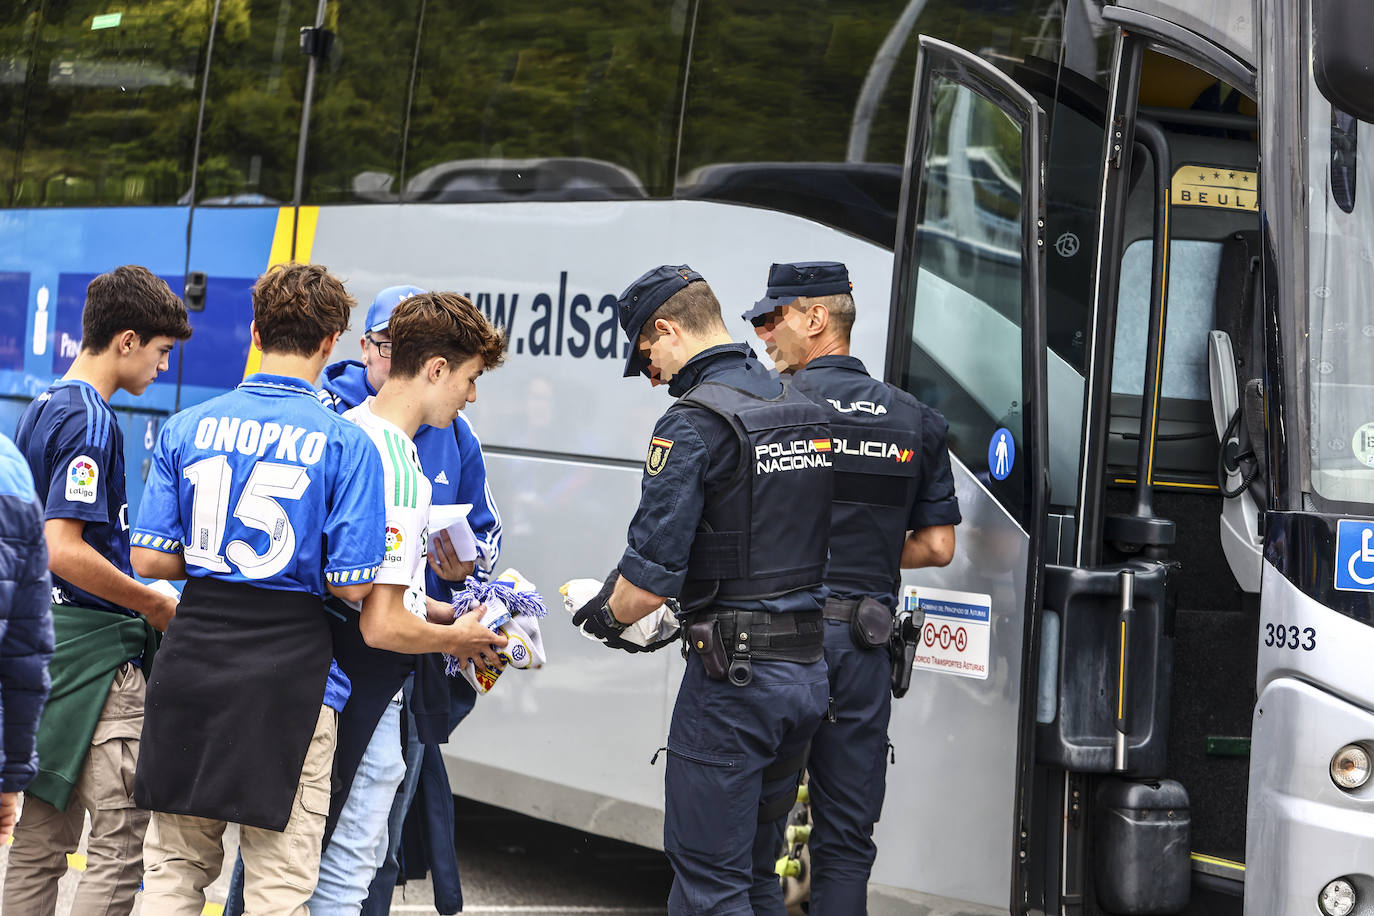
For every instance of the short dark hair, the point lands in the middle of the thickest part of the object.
(131, 298)
(427, 325)
(695, 307)
(841, 309)
(296, 307)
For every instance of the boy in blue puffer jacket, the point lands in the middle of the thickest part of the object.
(26, 638)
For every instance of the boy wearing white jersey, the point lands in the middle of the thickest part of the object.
(440, 344)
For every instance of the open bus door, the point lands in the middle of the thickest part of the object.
(968, 338)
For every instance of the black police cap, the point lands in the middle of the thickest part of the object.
(642, 298)
(788, 282)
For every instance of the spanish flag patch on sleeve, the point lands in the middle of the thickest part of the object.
(658, 455)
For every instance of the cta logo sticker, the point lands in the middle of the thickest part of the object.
(82, 478)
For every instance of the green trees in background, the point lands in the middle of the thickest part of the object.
(108, 115)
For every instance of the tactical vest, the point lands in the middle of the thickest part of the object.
(764, 533)
(877, 469)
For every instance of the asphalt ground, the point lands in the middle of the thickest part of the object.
(510, 864)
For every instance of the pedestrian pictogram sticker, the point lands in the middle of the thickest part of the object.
(1354, 555)
(957, 632)
(1001, 454)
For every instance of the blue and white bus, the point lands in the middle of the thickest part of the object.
(1130, 234)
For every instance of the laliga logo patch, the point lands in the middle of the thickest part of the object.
(658, 455)
(394, 540)
(82, 476)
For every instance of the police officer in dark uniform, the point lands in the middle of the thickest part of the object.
(732, 521)
(894, 508)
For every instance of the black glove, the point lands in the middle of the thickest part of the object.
(595, 618)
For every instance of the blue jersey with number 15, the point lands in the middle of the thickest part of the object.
(265, 485)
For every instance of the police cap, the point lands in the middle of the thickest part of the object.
(379, 312)
(788, 282)
(642, 298)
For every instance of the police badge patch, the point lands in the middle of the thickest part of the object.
(658, 455)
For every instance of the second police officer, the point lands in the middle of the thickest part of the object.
(732, 521)
(894, 508)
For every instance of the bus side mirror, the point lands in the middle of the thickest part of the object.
(195, 291)
(1344, 69)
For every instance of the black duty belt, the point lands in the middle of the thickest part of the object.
(840, 609)
(796, 637)
(758, 635)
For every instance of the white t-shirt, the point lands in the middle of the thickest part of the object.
(408, 495)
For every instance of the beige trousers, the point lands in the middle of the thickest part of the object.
(183, 855)
(114, 854)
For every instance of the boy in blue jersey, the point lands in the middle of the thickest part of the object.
(88, 739)
(451, 456)
(265, 502)
(441, 344)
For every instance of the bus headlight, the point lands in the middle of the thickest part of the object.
(1350, 767)
(1337, 898)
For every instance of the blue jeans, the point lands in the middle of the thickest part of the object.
(378, 902)
(848, 767)
(721, 740)
(358, 846)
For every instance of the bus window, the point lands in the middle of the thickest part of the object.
(835, 82)
(98, 107)
(965, 357)
(507, 107)
(357, 117)
(253, 104)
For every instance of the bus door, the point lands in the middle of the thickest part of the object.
(968, 338)
(1142, 726)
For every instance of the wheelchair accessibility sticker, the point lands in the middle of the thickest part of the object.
(957, 632)
(1354, 556)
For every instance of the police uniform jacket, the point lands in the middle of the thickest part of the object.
(892, 474)
(694, 454)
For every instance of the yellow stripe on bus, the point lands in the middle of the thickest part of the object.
(292, 226)
(1213, 860)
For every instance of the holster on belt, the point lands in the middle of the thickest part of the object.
(906, 636)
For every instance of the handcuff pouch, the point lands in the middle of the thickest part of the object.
(871, 625)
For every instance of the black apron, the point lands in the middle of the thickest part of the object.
(374, 676)
(233, 704)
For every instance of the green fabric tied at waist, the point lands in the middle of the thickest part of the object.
(91, 645)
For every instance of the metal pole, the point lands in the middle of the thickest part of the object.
(1123, 622)
(305, 127)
